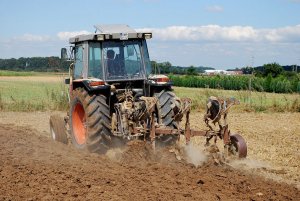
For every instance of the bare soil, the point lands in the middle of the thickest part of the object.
(34, 167)
(273, 141)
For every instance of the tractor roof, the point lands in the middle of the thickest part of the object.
(111, 32)
(114, 28)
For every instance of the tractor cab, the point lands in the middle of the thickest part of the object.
(111, 60)
(113, 53)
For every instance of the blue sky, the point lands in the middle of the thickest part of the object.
(217, 33)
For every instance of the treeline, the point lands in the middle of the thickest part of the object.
(55, 64)
(39, 64)
(167, 68)
(261, 69)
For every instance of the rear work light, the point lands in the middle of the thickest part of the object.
(96, 83)
(163, 79)
(100, 37)
(148, 35)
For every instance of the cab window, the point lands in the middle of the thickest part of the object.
(123, 60)
(146, 57)
(78, 62)
(95, 67)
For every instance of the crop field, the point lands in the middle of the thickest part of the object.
(280, 84)
(33, 166)
(42, 91)
(39, 92)
(249, 101)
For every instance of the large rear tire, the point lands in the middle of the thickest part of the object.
(90, 121)
(166, 115)
(57, 129)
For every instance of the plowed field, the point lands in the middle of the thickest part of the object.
(34, 167)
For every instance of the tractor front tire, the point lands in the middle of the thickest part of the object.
(90, 121)
(166, 115)
(57, 129)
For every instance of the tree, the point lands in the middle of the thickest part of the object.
(161, 68)
(35, 64)
(247, 70)
(154, 66)
(274, 69)
(192, 71)
(165, 67)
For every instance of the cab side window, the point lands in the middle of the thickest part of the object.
(146, 57)
(78, 62)
(95, 67)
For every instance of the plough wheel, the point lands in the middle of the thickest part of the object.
(238, 146)
(57, 129)
(166, 114)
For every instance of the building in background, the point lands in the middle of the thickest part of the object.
(222, 72)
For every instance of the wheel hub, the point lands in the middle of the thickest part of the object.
(79, 124)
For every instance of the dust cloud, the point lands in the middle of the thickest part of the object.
(195, 155)
(249, 163)
(115, 154)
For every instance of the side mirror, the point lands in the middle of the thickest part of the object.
(67, 80)
(64, 54)
(130, 50)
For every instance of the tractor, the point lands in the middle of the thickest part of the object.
(115, 98)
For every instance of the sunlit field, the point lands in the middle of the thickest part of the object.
(249, 100)
(38, 92)
(47, 91)
(267, 121)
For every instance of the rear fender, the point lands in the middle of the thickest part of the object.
(102, 87)
(157, 83)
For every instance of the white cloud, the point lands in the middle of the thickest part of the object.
(66, 35)
(225, 34)
(210, 45)
(284, 34)
(224, 55)
(206, 33)
(214, 8)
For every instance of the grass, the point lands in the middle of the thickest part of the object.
(16, 73)
(7, 73)
(46, 91)
(249, 101)
(33, 94)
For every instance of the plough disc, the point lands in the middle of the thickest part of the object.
(238, 146)
(57, 129)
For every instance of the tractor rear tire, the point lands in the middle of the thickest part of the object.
(57, 129)
(166, 115)
(90, 121)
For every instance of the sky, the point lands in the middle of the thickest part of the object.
(216, 33)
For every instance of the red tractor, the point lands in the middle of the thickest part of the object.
(115, 98)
